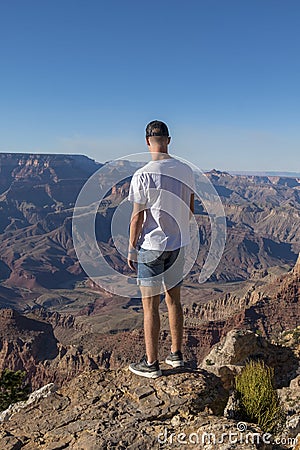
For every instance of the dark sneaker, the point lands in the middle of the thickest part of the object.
(175, 359)
(144, 370)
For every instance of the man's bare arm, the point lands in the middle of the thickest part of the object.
(192, 205)
(136, 225)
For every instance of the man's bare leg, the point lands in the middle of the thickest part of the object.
(175, 317)
(151, 322)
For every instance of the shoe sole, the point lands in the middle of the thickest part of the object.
(146, 374)
(174, 364)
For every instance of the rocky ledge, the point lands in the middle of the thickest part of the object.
(115, 409)
(106, 409)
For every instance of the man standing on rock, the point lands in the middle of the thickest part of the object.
(162, 193)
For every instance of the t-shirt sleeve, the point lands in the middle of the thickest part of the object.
(137, 190)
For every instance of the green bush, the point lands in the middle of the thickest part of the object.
(209, 362)
(259, 401)
(12, 388)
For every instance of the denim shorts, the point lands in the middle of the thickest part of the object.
(156, 267)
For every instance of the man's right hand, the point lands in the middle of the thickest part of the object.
(132, 259)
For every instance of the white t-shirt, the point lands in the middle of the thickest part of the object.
(164, 187)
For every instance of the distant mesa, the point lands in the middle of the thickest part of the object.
(265, 173)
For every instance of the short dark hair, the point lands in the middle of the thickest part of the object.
(157, 128)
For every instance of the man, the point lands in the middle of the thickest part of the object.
(163, 201)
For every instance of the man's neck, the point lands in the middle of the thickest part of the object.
(159, 153)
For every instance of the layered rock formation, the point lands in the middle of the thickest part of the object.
(54, 347)
(270, 310)
(25, 343)
(31, 345)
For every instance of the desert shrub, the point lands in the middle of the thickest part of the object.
(209, 362)
(12, 388)
(259, 401)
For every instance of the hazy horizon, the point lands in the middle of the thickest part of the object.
(229, 170)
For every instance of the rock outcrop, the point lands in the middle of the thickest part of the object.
(228, 357)
(103, 409)
(107, 409)
(34, 397)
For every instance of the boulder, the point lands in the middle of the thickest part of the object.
(227, 358)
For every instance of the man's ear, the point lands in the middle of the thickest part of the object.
(169, 140)
(148, 141)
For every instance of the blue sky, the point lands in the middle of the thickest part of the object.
(85, 76)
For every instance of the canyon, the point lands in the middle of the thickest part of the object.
(60, 327)
(55, 321)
